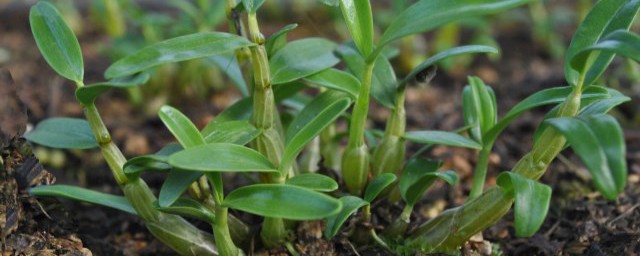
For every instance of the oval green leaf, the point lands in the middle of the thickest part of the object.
(621, 42)
(531, 202)
(282, 201)
(189, 208)
(599, 143)
(87, 94)
(418, 175)
(314, 181)
(336, 80)
(221, 157)
(441, 138)
(479, 107)
(234, 132)
(604, 18)
(63, 132)
(426, 15)
(302, 58)
(181, 127)
(177, 49)
(56, 41)
(84, 195)
(312, 120)
(377, 185)
(358, 16)
(350, 204)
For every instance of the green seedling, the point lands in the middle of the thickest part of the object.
(253, 137)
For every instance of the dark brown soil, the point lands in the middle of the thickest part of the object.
(580, 221)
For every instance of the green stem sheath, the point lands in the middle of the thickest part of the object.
(355, 160)
(480, 173)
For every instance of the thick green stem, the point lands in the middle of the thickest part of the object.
(480, 173)
(355, 161)
(269, 142)
(225, 244)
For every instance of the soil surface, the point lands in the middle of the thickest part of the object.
(580, 221)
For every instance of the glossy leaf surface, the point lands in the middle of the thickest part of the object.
(189, 208)
(531, 204)
(350, 204)
(426, 15)
(441, 138)
(599, 143)
(377, 185)
(314, 181)
(312, 120)
(88, 93)
(221, 157)
(357, 15)
(604, 18)
(175, 50)
(336, 80)
(63, 132)
(282, 201)
(302, 58)
(84, 195)
(235, 132)
(418, 175)
(181, 127)
(57, 43)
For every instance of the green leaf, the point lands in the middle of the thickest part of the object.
(331, 2)
(234, 132)
(84, 195)
(350, 204)
(480, 107)
(189, 208)
(418, 175)
(87, 94)
(177, 49)
(174, 185)
(598, 141)
(619, 42)
(357, 15)
(531, 204)
(441, 138)
(302, 58)
(228, 63)
(181, 127)
(240, 110)
(383, 80)
(336, 80)
(221, 157)
(282, 201)
(377, 185)
(279, 39)
(252, 5)
(312, 120)
(157, 161)
(603, 106)
(57, 43)
(467, 49)
(63, 132)
(314, 181)
(604, 18)
(426, 15)
(541, 98)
